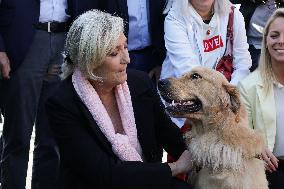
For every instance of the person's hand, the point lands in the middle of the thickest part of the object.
(182, 165)
(271, 162)
(4, 65)
(155, 73)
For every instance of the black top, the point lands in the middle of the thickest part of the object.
(87, 159)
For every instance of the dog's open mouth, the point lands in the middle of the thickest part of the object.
(183, 107)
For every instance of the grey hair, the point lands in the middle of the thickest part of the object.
(265, 63)
(92, 36)
(220, 6)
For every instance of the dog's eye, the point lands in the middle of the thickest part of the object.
(195, 76)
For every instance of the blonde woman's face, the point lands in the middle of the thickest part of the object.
(202, 5)
(113, 68)
(275, 40)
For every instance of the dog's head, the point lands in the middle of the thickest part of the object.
(199, 94)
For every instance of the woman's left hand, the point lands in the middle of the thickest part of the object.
(271, 162)
(182, 165)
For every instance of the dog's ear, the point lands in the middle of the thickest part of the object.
(235, 102)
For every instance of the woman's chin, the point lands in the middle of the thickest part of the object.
(121, 79)
(124, 79)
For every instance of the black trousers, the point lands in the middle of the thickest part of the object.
(255, 54)
(24, 96)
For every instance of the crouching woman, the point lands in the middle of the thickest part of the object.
(109, 123)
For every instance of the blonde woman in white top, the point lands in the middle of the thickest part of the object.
(263, 95)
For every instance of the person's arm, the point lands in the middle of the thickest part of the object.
(242, 59)
(170, 137)
(271, 162)
(247, 102)
(167, 133)
(180, 51)
(83, 153)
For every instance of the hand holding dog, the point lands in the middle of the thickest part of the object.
(182, 165)
(271, 162)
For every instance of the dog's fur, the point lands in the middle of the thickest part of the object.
(223, 147)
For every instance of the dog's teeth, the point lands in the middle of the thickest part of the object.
(173, 102)
(187, 103)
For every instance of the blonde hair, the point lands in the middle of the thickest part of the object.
(92, 36)
(265, 63)
(220, 6)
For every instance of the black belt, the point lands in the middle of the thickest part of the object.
(53, 27)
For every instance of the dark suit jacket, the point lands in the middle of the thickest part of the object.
(77, 7)
(87, 158)
(16, 28)
(17, 19)
(119, 8)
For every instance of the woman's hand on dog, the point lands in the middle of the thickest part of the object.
(182, 165)
(271, 162)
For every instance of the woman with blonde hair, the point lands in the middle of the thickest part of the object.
(263, 94)
(109, 124)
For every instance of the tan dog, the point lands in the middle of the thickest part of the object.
(223, 147)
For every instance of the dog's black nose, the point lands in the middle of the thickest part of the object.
(163, 83)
